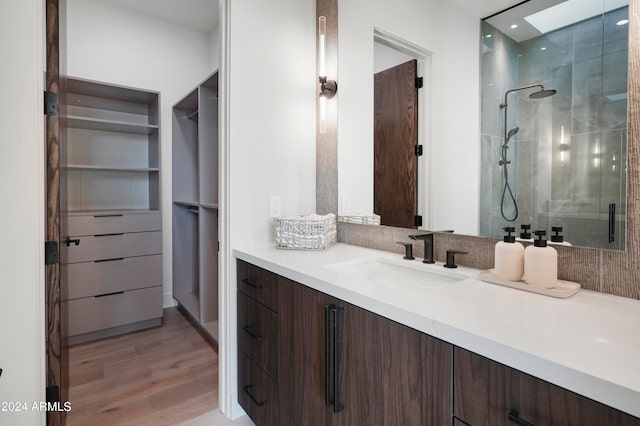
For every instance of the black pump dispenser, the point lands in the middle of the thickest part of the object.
(525, 234)
(509, 238)
(556, 237)
(540, 242)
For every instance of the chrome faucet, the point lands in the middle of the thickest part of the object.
(428, 245)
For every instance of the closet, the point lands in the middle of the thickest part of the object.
(195, 204)
(111, 248)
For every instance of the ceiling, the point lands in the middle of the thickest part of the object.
(203, 14)
(198, 14)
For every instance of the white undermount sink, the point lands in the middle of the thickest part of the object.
(392, 273)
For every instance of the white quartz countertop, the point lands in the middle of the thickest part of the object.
(589, 343)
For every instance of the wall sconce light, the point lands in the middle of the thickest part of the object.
(328, 88)
(563, 147)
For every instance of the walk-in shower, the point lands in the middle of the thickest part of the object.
(504, 161)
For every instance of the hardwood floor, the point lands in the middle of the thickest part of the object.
(161, 376)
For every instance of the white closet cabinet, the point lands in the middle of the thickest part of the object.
(195, 205)
(111, 248)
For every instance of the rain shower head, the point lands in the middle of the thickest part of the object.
(542, 93)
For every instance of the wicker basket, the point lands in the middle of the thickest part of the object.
(312, 232)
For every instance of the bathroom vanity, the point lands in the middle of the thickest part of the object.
(351, 336)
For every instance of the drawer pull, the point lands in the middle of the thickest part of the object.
(250, 333)
(69, 241)
(108, 215)
(109, 235)
(252, 285)
(109, 294)
(253, 398)
(514, 417)
(108, 260)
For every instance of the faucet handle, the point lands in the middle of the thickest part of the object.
(423, 236)
(408, 250)
(451, 263)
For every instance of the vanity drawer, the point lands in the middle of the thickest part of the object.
(114, 223)
(112, 246)
(487, 393)
(258, 284)
(99, 277)
(257, 393)
(257, 334)
(96, 313)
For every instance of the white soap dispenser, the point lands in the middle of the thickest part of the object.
(541, 263)
(509, 257)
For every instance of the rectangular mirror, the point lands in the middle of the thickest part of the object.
(546, 147)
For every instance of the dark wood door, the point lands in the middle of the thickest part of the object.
(487, 393)
(52, 272)
(392, 374)
(394, 141)
(301, 355)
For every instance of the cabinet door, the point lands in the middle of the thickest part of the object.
(492, 394)
(301, 355)
(392, 374)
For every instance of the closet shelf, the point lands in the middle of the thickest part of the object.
(109, 125)
(109, 168)
(186, 203)
(209, 206)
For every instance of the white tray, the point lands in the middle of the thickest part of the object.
(563, 290)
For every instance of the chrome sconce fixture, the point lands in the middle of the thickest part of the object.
(328, 88)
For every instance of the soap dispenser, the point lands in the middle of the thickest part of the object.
(509, 257)
(525, 233)
(541, 263)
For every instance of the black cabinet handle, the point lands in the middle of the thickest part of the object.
(612, 222)
(333, 349)
(69, 241)
(247, 330)
(253, 398)
(337, 349)
(109, 235)
(108, 260)
(328, 400)
(108, 215)
(109, 294)
(514, 417)
(252, 285)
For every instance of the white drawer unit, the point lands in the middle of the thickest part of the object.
(88, 279)
(109, 223)
(111, 246)
(91, 314)
(111, 234)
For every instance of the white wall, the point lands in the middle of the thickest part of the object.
(22, 191)
(116, 45)
(452, 35)
(271, 136)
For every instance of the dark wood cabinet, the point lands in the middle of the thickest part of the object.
(307, 358)
(489, 393)
(387, 372)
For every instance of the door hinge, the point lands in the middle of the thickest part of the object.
(51, 255)
(418, 150)
(417, 220)
(419, 82)
(50, 103)
(53, 394)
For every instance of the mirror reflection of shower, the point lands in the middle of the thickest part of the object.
(504, 161)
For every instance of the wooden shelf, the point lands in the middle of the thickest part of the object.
(110, 169)
(110, 125)
(106, 212)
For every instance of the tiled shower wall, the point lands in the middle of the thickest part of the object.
(599, 270)
(586, 63)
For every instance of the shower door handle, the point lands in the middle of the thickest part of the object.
(612, 222)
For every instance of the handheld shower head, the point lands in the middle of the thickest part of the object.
(512, 133)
